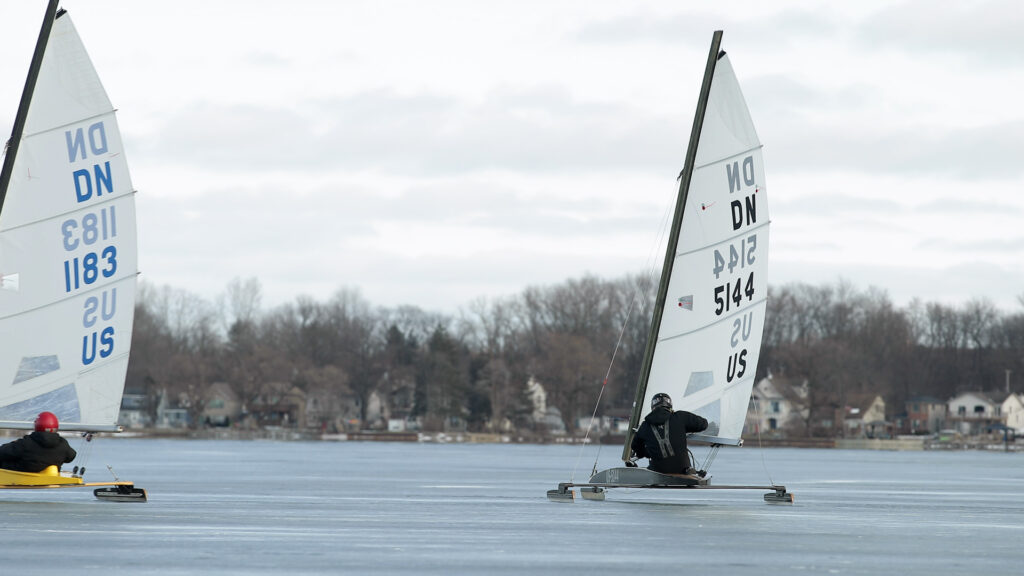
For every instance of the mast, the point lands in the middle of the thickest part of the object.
(26, 99)
(673, 240)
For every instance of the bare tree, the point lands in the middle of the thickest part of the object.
(470, 370)
(356, 333)
(241, 302)
(193, 347)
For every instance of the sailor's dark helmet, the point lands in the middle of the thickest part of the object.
(661, 399)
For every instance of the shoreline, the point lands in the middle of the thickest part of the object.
(906, 443)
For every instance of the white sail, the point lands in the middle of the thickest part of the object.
(711, 326)
(67, 250)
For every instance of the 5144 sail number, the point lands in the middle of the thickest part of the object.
(731, 294)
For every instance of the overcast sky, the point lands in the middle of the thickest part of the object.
(431, 153)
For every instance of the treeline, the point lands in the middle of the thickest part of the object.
(851, 345)
(470, 369)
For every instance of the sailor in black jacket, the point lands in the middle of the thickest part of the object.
(662, 437)
(38, 450)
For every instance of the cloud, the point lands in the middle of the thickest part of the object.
(522, 130)
(440, 237)
(434, 153)
(1010, 245)
(988, 31)
(744, 23)
(546, 130)
(643, 27)
(990, 206)
(837, 204)
(975, 153)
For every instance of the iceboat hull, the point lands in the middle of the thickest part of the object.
(51, 478)
(624, 477)
(48, 478)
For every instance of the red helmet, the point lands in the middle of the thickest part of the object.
(47, 421)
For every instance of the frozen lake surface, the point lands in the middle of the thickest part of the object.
(254, 507)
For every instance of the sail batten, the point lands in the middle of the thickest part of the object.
(727, 240)
(736, 155)
(60, 127)
(68, 239)
(59, 216)
(699, 329)
(99, 289)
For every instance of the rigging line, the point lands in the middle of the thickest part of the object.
(652, 257)
(638, 294)
(607, 374)
(760, 447)
(84, 449)
(650, 269)
(710, 457)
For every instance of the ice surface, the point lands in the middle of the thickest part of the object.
(230, 507)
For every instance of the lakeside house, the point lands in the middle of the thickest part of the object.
(1013, 411)
(972, 413)
(135, 410)
(171, 411)
(925, 415)
(223, 406)
(867, 422)
(778, 406)
(779, 409)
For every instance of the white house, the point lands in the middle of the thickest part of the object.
(602, 424)
(1013, 410)
(868, 422)
(549, 417)
(170, 413)
(538, 399)
(972, 412)
(134, 411)
(775, 404)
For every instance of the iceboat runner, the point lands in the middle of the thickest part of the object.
(703, 349)
(68, 261)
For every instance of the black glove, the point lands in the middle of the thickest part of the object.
(630, 464)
